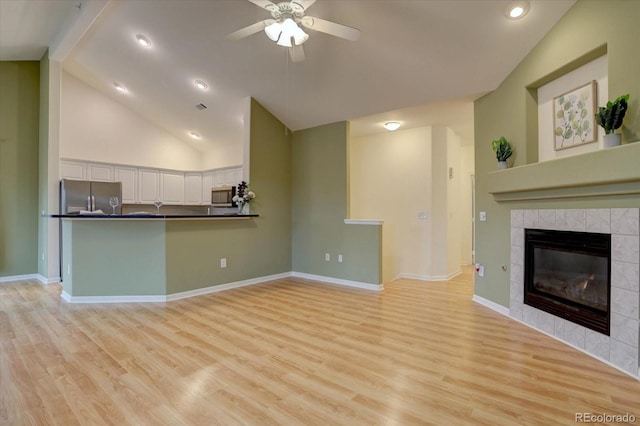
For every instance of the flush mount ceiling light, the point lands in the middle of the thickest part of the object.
(517, 9)
(194, 135)
(392, 125)
(143, 41)
(120, 88)
(201, 84)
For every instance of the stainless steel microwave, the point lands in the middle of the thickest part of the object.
(222, 196)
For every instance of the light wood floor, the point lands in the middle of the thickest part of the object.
(292, 352)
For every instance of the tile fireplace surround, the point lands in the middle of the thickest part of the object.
(621, 349)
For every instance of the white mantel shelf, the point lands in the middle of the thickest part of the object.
(607, 172)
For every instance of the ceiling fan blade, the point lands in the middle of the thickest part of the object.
(305, 4)
(247, 31)
(331, 28)
(265, 4)
(296, 53)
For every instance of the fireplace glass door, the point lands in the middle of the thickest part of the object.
(568, 274)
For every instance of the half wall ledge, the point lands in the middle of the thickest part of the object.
(607, 172)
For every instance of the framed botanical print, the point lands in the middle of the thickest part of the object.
(574, 120)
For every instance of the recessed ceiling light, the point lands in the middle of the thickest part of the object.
(120, 88)
(517, 9)
(194, 135)
(201, 84)
(143, 41)
(392, 125)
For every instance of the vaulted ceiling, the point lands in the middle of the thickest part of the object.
(415, 61)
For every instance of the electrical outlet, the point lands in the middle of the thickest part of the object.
(340, 258)
(327, 257)
(483, 216)
(223, 262)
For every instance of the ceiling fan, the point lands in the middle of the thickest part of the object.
(283, 27)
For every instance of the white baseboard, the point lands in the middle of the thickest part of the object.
(41, 278)
(491, 305)
(223, 287)
(45, 280)
(213, 289)
(339, 281)
(111, 299)
(428, 277)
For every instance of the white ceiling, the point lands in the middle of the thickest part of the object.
(416, 60)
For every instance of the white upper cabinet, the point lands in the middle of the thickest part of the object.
(207, 184)
(145, 185)
(172, 187)
(129, 178)
(193, 188)
(99, 172)
(227, 177)
(72, 169)
(148, 186)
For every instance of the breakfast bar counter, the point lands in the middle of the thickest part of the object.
(116, 258)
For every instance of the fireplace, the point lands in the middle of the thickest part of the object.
(568, 274)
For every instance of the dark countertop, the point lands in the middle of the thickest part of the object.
(146, 216)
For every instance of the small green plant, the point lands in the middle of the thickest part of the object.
(610, 117)
(502, 148)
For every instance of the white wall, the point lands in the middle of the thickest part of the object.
(454, 207)
(402, 178)
(95, 127)
(390, 179)
(466, 203)
(594, 70)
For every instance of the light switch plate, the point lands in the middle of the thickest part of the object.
(483, 216)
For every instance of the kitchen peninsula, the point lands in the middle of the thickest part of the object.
(155, 258)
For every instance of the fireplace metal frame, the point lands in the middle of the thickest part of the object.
(598, 245)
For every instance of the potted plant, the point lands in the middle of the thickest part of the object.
(610, 118)
(503, 151)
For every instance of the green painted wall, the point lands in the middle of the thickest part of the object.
(113, 258)
(511, 111)
(320, 182)
(253, 248)
(19, 109)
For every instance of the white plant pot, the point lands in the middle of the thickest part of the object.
(502, 165)
(612, 139)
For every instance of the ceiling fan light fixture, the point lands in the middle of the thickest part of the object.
(273, 31)
(517, 9)
(392, 125)
(194, 135)
(285, 32)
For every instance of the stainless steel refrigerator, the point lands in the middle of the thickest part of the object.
(84, 195)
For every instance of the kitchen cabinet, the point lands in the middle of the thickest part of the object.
(148, 186)
(99, 172)
(145, 185)
(129, 178)
(72, 169)
(207, 184)
(227, 177)
(172, 187)
(193, 188)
